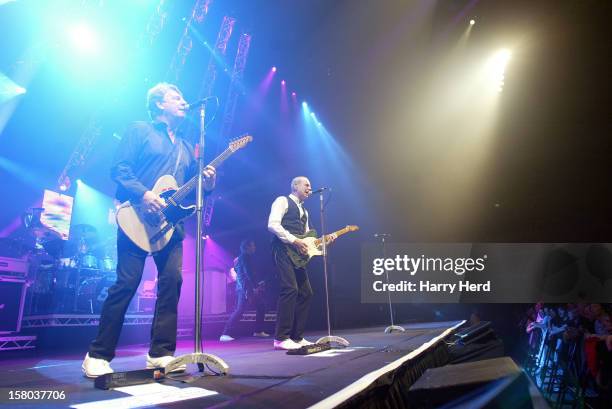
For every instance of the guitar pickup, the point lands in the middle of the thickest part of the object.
(160, 233)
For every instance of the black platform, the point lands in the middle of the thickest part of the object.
(260, 377)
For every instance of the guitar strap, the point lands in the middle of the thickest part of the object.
(178, 157)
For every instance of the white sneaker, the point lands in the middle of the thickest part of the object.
(261, 334)
(286, 344)
(94, 367)
(225, 338)
(303, 342)
(162, 362)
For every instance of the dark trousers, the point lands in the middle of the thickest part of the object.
(243, 297)
(295, 294)
(130, 265)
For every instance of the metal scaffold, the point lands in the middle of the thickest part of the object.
(235, 90)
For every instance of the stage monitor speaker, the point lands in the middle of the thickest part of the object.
(475, 343)
(12, 296)
(492, 383)
(475, 332)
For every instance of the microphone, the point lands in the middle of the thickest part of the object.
(196, 104)
(314, 192)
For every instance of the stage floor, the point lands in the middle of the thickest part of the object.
(260, 377)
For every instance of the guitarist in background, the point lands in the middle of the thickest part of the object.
(289, 218)
(249, 289)
(148, 150)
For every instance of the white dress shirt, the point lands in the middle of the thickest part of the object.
(279, 209)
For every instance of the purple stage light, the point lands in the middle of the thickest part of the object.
(217, 264)
(284, 100)
(273, 69)
(293, 94)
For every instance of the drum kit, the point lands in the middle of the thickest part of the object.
(67, 276)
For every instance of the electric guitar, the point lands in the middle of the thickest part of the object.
(315, 245)
(152, 231)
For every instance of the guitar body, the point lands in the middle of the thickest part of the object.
(314, 244)
(300, 260)
(151, 232)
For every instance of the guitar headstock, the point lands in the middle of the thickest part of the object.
(352, 227)
(240, 142)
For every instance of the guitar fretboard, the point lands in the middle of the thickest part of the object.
(182, 193)
(340, 232)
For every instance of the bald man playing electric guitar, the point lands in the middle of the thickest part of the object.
(288, 219)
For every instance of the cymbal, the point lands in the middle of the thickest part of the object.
(83, 231)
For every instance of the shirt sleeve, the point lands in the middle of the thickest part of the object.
(122, 171)
(278, 210)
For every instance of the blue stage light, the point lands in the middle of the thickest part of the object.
(84, 39)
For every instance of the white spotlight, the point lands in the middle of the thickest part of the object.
(84, 39)
(472, 22)
(496, 68)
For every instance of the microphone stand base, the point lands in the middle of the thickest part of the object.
(394, 328)
(329, 339)
(202, 360)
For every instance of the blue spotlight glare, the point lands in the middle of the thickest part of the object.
(304, 104)
(84, 39)
(79, 181)
(9, 89)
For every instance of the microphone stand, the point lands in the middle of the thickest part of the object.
(329, 339)
(391, 328)
(198, 357)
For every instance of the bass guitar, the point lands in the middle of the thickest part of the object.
(152, 231)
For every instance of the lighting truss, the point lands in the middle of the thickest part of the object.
(198, 13)
(82, 150)
(235, 89)
(225, 33)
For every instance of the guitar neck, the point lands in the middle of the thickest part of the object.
(338, 233)
(180, 194)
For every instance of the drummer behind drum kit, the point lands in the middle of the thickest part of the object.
(67, 276)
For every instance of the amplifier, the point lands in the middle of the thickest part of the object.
(15, 267)
(12, 296)
(146, 304)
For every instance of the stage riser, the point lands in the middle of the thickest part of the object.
(70, 337)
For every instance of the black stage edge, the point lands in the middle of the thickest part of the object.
(376, 370)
